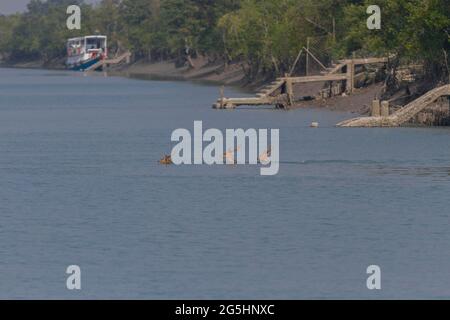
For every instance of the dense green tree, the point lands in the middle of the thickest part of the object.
(264, 35)
(7, 27)
(416, 30)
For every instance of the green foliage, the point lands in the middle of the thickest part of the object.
(7, 26)
(268, 34)
(264, 35)
(415, 30)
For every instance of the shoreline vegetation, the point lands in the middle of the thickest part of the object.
(244, 43)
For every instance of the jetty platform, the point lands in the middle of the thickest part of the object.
(281, 93)
(126, 57)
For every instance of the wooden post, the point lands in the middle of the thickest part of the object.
(295, 62)
(350, 76)
(317, 60)
(307, 56)
(222, 96)
(334, 30)
(290, 92)
(353, 72)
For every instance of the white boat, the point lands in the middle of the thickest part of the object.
(83, 52)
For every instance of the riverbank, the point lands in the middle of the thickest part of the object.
(358, 102)
(233, 76)
(203, 70)
(214, 72)
(55, 64)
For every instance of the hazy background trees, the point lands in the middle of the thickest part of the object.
(264, 35)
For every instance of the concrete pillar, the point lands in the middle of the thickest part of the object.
(385, 109)
(376, 109)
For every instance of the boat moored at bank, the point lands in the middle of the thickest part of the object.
(84, 52)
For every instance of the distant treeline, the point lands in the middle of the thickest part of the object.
(264, 35)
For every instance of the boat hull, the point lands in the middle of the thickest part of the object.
(84, 65)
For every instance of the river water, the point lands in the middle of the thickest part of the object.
(80, 185)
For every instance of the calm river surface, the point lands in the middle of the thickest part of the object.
(80, 185)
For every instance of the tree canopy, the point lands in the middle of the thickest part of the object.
(264, 35)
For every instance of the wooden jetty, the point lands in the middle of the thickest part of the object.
(126, 57)
(281, 94)
(404, 115)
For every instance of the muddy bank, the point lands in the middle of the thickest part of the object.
(232, 75)
(203, 70)
(358, 102)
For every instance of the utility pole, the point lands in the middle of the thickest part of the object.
(446, 64)
(307, 55)
(334, 30)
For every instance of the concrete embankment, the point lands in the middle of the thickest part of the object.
(433, 108)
